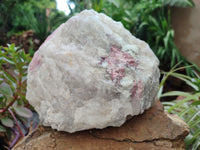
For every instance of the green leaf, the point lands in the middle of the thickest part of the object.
(160, 92)
(196, 114)
(196, 144)
(7, 60)
(186, 79)
(7, 122)
(188, 140)
(176, 93)
(9, 76)
(2, 129)
(196, 103)
(5, 89)
(196, 96)
(12, 47)
(23, 111)
(168, 103)
(115, 2)
(178, 104)
(179, 3)
(194, 123)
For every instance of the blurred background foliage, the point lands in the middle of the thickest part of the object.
(41, 16)
(149, 20)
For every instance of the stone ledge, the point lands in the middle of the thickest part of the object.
(155, 129)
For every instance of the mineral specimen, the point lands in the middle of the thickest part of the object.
(91, 73)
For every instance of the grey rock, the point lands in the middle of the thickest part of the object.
(91, 73)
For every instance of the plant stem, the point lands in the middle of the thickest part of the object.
(13, 78)
(20, 80)
(20, 131)
(15, 95)
(15, 140)
(10, 104)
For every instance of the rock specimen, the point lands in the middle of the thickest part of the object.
(91, 73)
(153, 130)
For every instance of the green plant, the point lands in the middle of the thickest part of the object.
(188, 108)
(38, 22)
(40, 16)
(8, 19)
(14, 108)
(42, 20)
(31, 49)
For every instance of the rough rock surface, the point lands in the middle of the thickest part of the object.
(153, 130)
(91, 73)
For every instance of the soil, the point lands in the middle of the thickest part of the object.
(26, 40)
(3, 141)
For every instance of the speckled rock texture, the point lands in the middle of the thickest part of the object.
(152, 130)
(91, 73)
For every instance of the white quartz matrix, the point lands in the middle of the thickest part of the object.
(91, 73)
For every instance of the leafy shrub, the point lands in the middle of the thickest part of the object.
(188, 108)
(14, 108)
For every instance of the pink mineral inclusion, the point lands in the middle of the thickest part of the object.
(36, 62)
(117, 61)
(137, 90)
